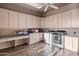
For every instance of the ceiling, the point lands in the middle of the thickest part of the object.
(26, 8)
(27, 5)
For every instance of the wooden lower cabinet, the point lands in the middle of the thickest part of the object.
(7, 44)
(13, 43)
(71, 43)
(20, 42)
(75, 44)
(34, 38)
(68, 43)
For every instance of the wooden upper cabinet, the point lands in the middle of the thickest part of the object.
(55, 21)
(46, 22)
(3, 18)
(43, 22)
(13, 19)
(22, 18)
(29, 20)
(38, 22)
(75, 18)
(67, 19)
(60, 21)
(34, 22)
(50, 22)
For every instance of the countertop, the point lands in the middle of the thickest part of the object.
(13, 36)
(10, 38)
(72, 35)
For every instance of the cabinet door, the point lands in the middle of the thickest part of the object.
(34, 22)
(50, 22)
(75, 44)
(3, 18)
(13, 19)
(71, 43)
(55, 21)
(68, 43)
(29, 20)
(38, 37)
(20, 42)
(60, 21)
(38, 22)
(43, 22)
(46, 22)
(67, 21)
(33, 38)
(21, 20)
(75, 18)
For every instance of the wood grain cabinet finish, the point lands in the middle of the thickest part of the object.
(55, 21)
(38, 37)
(29, 21)
(3, 18)
(47, 21)
(7, 44)
(75, 18)
(38, 22)
(22, 20)
(43, 22)
(34, 38)
(67, 20)
(75, 44)
(34, 22)
(68, 43)
(20, 42)
(13, 19)
(71, 43)
(60, 21)
(50, 22)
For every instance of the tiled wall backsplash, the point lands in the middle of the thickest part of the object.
(11, 32)
(7, 32)
(69, 30)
